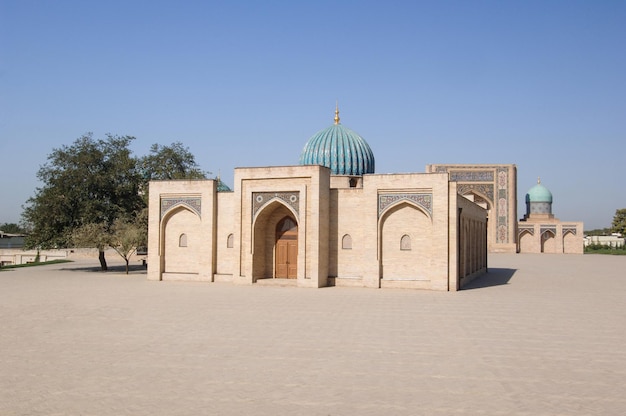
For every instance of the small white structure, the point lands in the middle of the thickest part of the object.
(613, 241)
(12, 256)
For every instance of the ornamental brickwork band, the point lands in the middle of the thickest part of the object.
(423, 200)
(194, 204)
(260, 199)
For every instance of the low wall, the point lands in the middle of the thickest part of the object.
(17, 256)
(604, 240)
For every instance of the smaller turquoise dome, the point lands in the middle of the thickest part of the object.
(221, 186)
(539, 193)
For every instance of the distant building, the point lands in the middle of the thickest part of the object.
(540, 232)
(614, 241)
(11, 240)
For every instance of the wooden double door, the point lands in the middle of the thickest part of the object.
(286, 249)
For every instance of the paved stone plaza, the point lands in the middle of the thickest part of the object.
(538, 335)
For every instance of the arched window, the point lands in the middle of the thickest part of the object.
(346, 242)
(182, 240)
(405, 242)
(230, 241)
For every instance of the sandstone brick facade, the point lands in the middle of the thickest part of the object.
(381, 231)
(554, 237)
(494, 187)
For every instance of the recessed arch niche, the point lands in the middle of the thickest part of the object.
(179, 241)
(398, 221)
(266, 235)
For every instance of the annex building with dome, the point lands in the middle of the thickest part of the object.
(332, 221)
(539, 231)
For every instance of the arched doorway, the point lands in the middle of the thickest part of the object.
(569, 242)
(286, 265)
(526, 241)
(548, 242)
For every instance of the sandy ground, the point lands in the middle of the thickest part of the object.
(538, 335)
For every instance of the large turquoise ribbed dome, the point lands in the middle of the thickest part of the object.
(539, 193)
(340, 149)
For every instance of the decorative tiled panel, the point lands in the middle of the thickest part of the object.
(502, 205)
(423, 200)
(482, 189)
(472, 176)
(531, 230)
(259, 199)
(546, 228)
(194, 204)
(491, 181)
(540, 208)
(569, 229)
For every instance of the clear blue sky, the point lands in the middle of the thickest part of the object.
(541, 84)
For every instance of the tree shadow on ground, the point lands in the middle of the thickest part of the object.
(116, 268)
(494, 277)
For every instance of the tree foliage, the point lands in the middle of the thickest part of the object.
(123, 236)
(599, 231)
(619, 222)
(170, 162)
(93, 235)
(89, 182)
(93, 194)
(11, 228)
(126, 236)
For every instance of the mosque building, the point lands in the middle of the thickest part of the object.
(540, 232)
(333, 221)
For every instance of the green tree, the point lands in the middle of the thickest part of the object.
(126, 236)
(619, 222)
(170, 162)
(123, 236)
(598, 231)
(167, 163)
(93, 235)
(11, 228)
(89, 182)
(94, 193)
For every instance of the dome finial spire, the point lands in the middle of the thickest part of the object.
(337, 112)
(538, 180)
